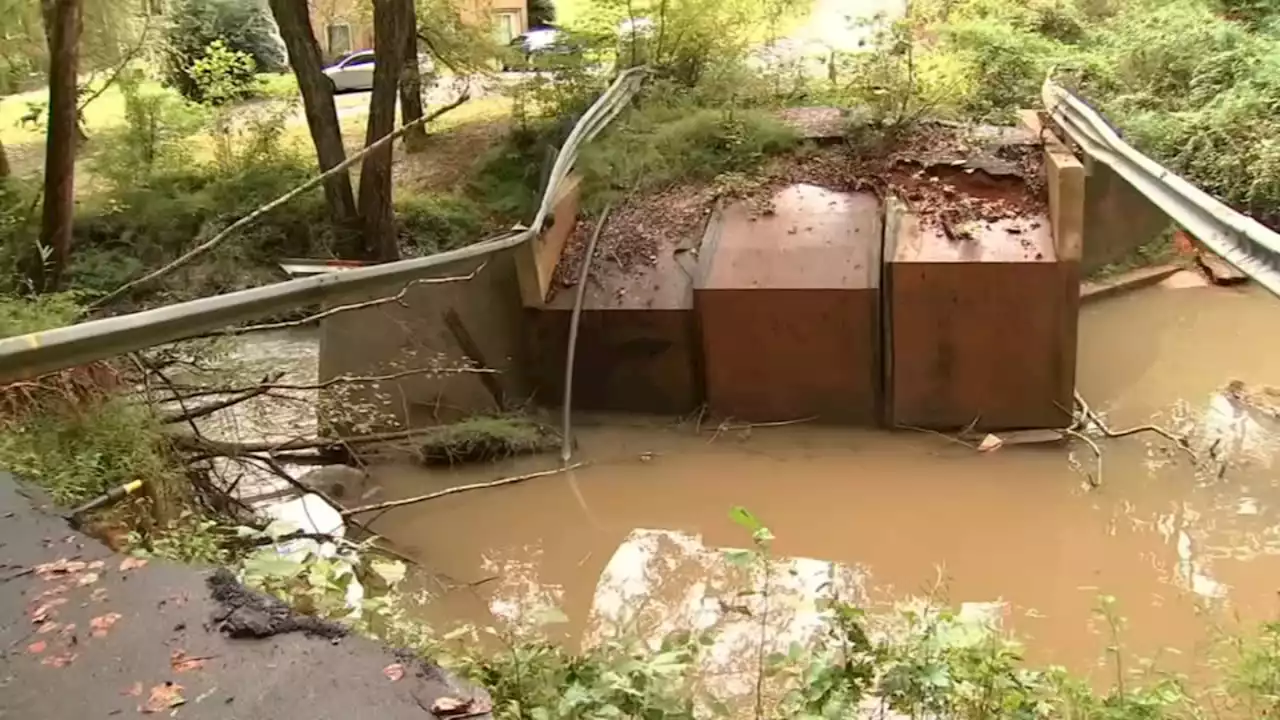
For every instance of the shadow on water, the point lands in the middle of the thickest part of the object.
(1017, 525)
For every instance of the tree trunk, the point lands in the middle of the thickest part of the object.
(294, 21)
(390, 24)
(64, 26)
(415, 140)
(5, 170)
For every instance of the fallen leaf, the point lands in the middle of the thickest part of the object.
(989, 443)
(163, 697)
(59, 661)
(59, 567)
(55, 590)
(449, 706)
(67, 630)
(97, 565)
(45, 611)
(87, 579)
(47, 627)
(134, 690)
(98, 595)
(394, 671)
(37, 647)
(179, 661)
(131, 563)
(101, 624)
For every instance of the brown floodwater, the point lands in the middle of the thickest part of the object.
(1165, 536)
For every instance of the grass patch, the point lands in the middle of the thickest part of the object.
(485, 439)
(662, 144)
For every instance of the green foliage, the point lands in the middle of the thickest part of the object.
(242, 26)
(19, 315)
(665, 142)
(222, 75)
(432, 223)
(156, 134)
(19, 230)
(79, 450)
(193, 538)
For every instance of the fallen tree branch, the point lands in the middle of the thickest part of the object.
(314, 182)
(213, 407)
(398, 298)
(1095, 481)
(340, 379)
(455, 490)
(1092, 417)
(224, 448)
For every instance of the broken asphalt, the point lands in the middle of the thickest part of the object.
(87, 633)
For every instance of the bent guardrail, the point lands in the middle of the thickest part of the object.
(1237, 238)
(34, 354)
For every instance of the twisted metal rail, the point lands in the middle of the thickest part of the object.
(1237, 238)
(33, 354)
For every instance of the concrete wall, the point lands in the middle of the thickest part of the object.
(1117, 218)
(395, 337)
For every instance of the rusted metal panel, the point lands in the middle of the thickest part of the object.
(807, 238)
(785, 354)
(788, 305)
(990, 340)
(627, 360)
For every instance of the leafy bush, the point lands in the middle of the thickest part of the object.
(222, 75)
(432, 223)
(156, 135)
(666, 142)
(19, 316)
(243, 26)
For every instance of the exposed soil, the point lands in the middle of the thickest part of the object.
(949, 176)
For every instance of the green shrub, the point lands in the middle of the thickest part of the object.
(243, 26)
(222, 75)
(20, 315)
(664, 143)
(435, 223)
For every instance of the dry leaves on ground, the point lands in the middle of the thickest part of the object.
(394, 671)
(132, 563)
(100, 625)
(456, 707)
(59, 568)
(46, 610)
(60, 660)
(162, 698)
(134, 690)
(87, 579)
(37, 647)
(180, 662)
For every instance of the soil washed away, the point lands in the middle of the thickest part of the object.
(888, 512)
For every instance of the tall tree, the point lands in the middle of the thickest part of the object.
(63, 20)
(294, 22)
(415, 139)
(391, 22)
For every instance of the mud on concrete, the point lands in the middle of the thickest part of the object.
(949, 175)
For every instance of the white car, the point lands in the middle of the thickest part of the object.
(355, 71)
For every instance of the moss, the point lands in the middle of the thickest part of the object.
(485, 439)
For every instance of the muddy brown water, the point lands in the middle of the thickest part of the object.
(1018, 525)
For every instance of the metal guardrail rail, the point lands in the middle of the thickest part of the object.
(1237, 238)
(34, 354)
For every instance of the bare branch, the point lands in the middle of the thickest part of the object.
(398, 298)
(216, 448)
(216, 240)
(213, 407)
(461, 488)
